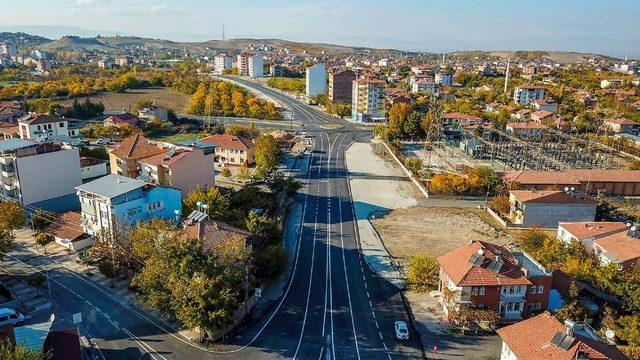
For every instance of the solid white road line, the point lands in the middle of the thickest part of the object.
(313, 253)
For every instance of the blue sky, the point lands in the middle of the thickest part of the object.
(609, 27)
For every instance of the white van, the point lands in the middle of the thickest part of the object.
(10, 316)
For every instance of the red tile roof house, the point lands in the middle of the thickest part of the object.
(68, 232)
(455, 119)
(621, 125)
(211, 233)
(487, 276)
(547, 208)
(120, 119)
(232, 150)
(587, 232)
(527, 129)
(621, 248)
(544, 337)
(608, 182)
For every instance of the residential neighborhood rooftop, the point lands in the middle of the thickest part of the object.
(111, 186)
(551, 197)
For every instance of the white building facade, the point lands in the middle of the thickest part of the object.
(222, 63)
(316, 80)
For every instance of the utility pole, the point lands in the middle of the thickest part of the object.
(506, 75)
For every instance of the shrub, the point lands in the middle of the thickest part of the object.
(500, 203)
(414, 164)
(107, 269)
(422, 272)
(225, 172)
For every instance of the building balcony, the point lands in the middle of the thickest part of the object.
(7, 174)
(513, 297)
(6, 160)
(11, 187)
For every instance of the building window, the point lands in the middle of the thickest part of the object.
(61, 125)
(481, 292)
(519, 290)
(533, 289)
(540, 289)
(530, 306)
(538, 306)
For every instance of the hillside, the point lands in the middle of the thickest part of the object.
(78, 43)
(564, 57)
(22, 40)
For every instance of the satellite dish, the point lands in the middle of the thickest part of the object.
(572, 188)
(610, 334)
(566, 188)
(52, 317)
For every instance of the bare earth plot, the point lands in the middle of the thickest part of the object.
(435, 230)
(117, 101)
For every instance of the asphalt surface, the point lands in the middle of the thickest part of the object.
(334, 306)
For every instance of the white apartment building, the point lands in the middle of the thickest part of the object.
(222, 63)
(8, 49)
(444, 78)
(367, 105)
(256, 66)
(316, 80)
(41, 175)
(33, 126)
(528, 93)
(425, 86)
(250, 65)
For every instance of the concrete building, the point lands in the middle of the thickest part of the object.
(91, 168)
(124, 157)
(118, 200)
(444, 78)
(316, 80)
(367, 105)
(610, 83)
(9, 49)
(340, 86)
(250, 65)
(547, 208)
(546, 106)
(610, 242)
(221, 63)
(33, 126)
(605, 182)
(487, 276)
(231, 150)
(545, 337)
(40, 175)
(526, 130)
(184, 169)
(528, 93)
(425, 86)
(621, 125)
(153, 112)
(67, 231)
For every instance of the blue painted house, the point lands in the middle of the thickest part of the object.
(118, 200)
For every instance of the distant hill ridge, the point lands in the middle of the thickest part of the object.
(116, 44)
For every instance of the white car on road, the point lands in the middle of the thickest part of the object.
(10, 316)
(402, 332)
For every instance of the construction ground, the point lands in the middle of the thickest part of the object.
(404, 223)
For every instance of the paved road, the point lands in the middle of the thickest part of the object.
(334, 306)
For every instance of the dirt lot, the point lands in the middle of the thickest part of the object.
(162, 96)
(435, 230)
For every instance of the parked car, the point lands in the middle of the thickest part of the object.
(402, 332)
(10, 316)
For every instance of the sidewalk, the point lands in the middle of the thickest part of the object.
(66, 259)
(367, 171)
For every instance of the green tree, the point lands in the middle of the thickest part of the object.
(140, 104)
(414, 164)
(43, 239)
(11, 215)
(412, 127)
(11, 352)
(397, 118)
(6, 242)
(422, 272)
(267, 152)
(225, 172)
(218, 203)
(42, 218)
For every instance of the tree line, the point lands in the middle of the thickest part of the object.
(219, 98)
